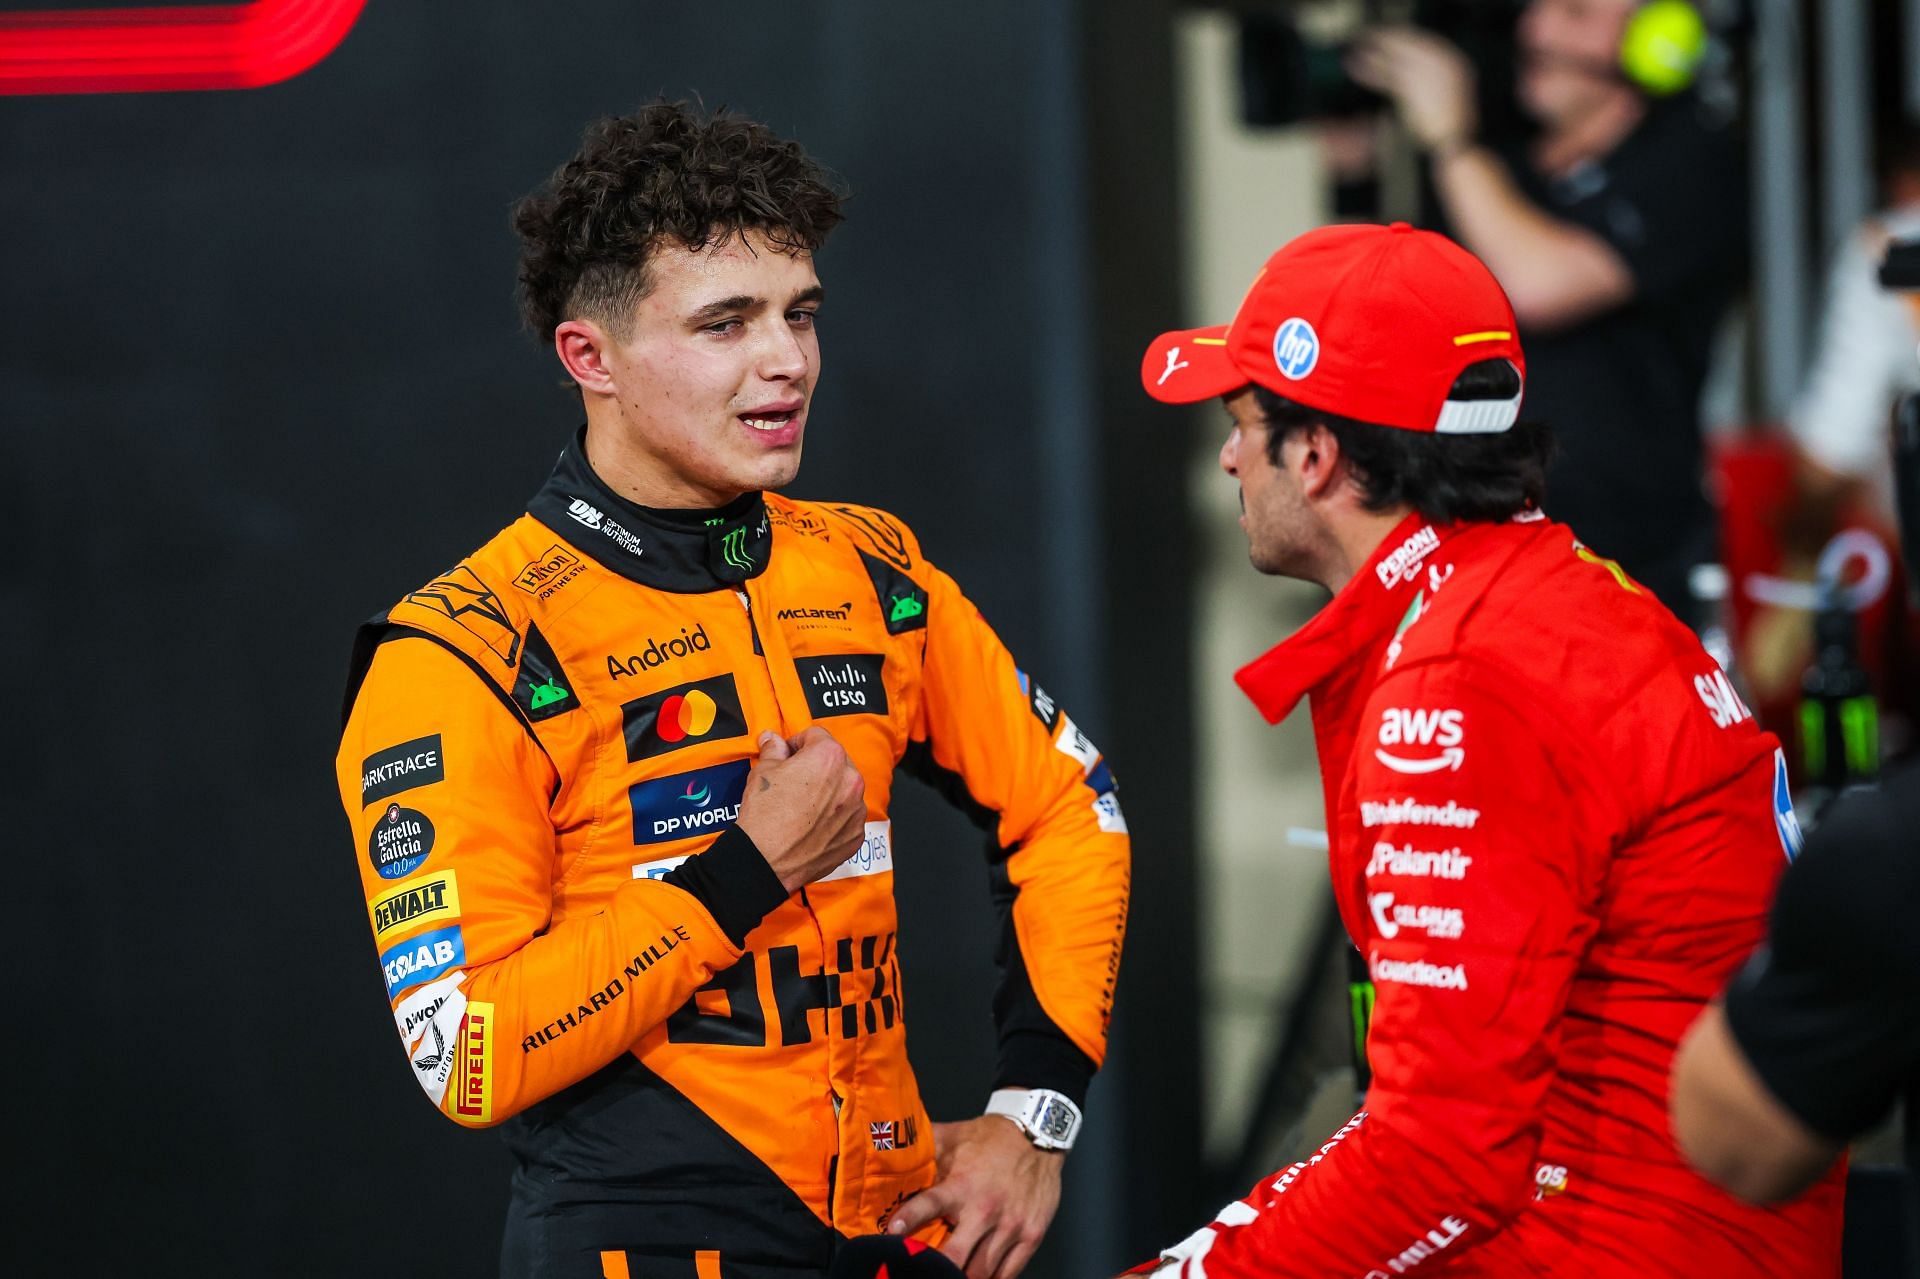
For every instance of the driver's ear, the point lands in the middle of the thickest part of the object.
(582, 347)
(1319, 464)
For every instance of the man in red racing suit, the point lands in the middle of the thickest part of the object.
(1555, 829)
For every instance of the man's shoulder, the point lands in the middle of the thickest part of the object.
(485, 604)
(872, 531)
(1529, 607)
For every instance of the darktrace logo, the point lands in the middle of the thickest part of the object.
(844, 684)
(658, 653)
(554, 569)
(401, 768)
(705, 710)
(684, 805)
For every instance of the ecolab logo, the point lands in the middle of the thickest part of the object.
(1404, 564)
(1403, 727)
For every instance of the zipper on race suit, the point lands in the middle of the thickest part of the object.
(795, 718)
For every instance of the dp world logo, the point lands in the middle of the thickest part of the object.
(1296, 349)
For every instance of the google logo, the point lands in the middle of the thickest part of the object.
(685, 715)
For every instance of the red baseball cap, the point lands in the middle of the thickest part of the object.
(1367, 322)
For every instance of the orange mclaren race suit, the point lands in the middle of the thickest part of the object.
(1555, 831)
(545, 750)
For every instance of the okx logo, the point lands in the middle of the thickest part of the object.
(707, 710)
(687, 804)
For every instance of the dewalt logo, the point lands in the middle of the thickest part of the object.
(435, 898)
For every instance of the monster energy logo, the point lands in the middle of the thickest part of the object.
(733, 549)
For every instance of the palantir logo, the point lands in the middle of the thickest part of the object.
(1296, 349)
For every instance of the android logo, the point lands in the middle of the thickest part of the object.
(547, 694)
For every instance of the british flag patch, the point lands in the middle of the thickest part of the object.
(892, 1134)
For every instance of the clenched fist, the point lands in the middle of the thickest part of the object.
(806, 806)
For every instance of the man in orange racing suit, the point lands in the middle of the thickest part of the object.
(619, 781)
(1554, 828)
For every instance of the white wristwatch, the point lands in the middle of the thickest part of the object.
(1049, 1119)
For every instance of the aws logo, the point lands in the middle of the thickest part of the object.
(706, 710)
(1442, 729)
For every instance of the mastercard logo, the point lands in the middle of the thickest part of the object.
(685, 715)
(672, 719)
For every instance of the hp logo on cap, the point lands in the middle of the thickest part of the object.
(1296, 349)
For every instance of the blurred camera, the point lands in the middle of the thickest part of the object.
(1292, 54)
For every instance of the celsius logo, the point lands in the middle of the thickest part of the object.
(1402, 727)
(1446, 922)
(658, 653)
(587, 513)
(1404, 564)
(1296, 349)
(687, 804)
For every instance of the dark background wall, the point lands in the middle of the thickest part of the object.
(260, 372)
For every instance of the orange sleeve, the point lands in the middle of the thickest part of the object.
(497, 1007)
(1059, 856)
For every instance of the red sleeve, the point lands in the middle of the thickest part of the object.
(1472, 939)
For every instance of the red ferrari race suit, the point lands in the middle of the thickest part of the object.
(544, 757)
(1555, 831)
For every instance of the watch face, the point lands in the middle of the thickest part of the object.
(1055, 1121)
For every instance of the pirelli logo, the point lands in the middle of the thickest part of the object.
(429, 899)
(473, 1071)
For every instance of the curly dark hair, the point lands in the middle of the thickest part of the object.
(667, 171)
(1444, 477)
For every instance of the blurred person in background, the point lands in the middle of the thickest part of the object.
(1867, 356)
(619, 780)
(1619, 230)
(1553, 826)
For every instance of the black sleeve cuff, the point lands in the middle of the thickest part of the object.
(1038, 1059)
(733, 881)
